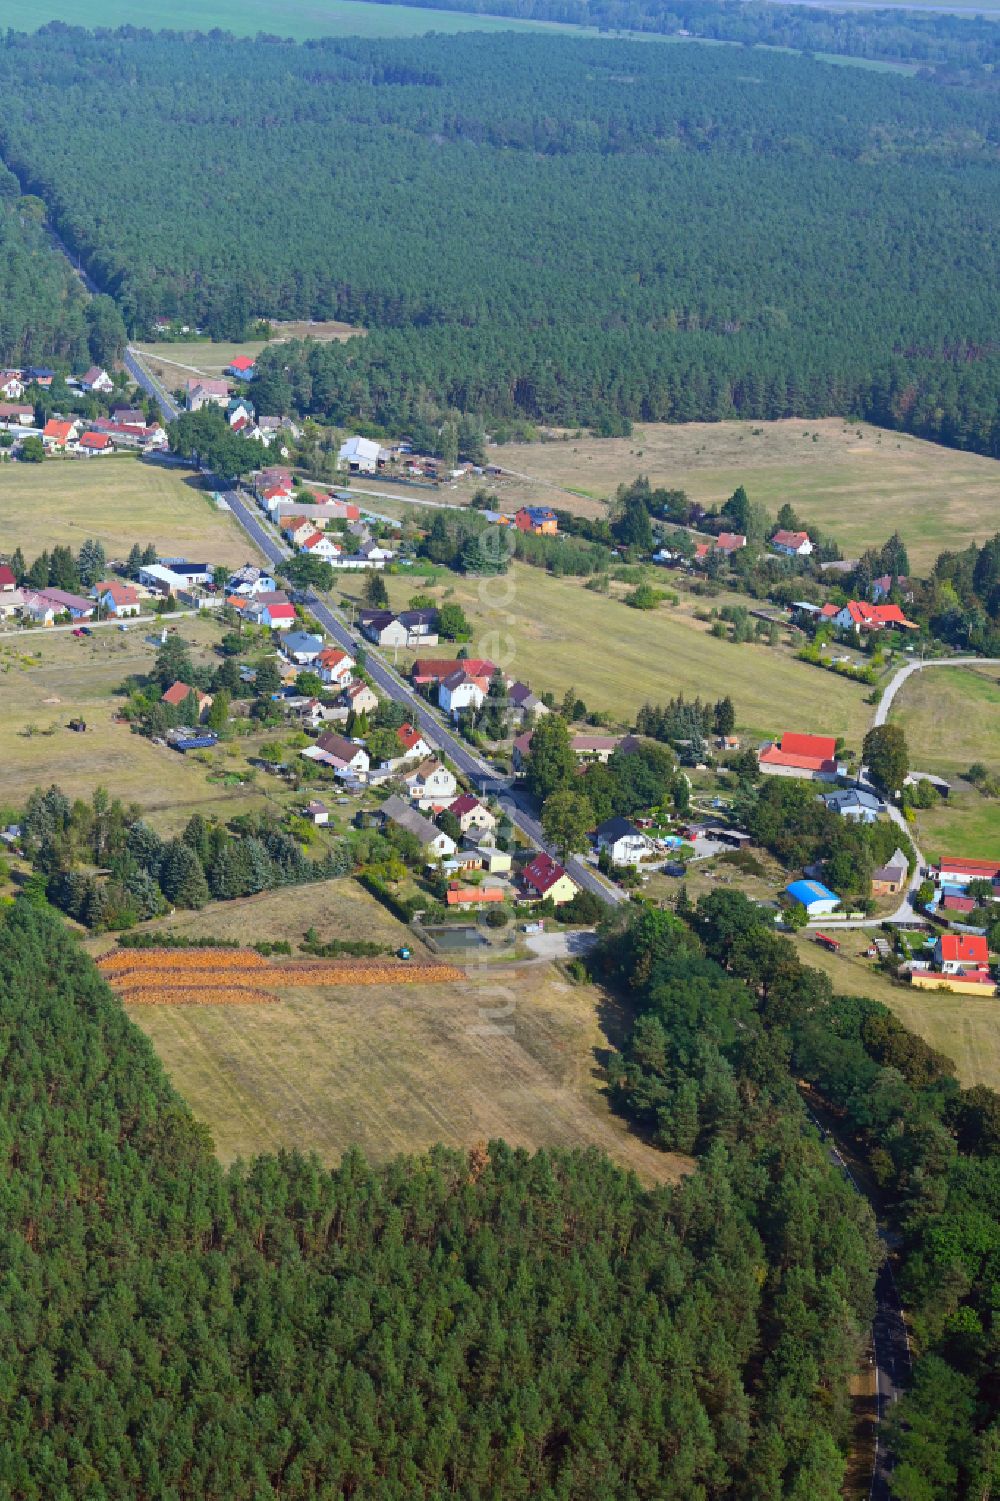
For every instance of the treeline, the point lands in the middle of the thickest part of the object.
(103, 865)
(490, 1324)
(468, 543)
(666, 250)
(953, 44)
(725, 1009)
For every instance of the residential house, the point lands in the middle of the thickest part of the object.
(961, 906)
(278, 615)
(13, 414)
(296, 529)
(302, 648)
(242, 366)
(11, 385)
(318, 813)
(430, 670)
(14, 602)
(334, 665)
(97, 380)
(93, 444)
(890, 878)
(117, 599)
(462, 689)
(472, 814)
(38, 609)
(361, 455)
(8, 581)
(40, 375)
(342, 754)
(274, 477)
(792, 544)
(818, 900)
(956, 953)
(811, 757)
(408, 628)
(431, 784)
(882, 587)
(539, 520)
(624, 843)
(956, 871)
(200, 393)
(239, 415)
(525, 706)
(729, 542)
(251, 581)
(858, 615)
(64, 603)
(412, 743)
(375, 554)
(360, 698)
(941, 787)
(178, 693)
(472, 897)
(855, 804)
(434, 841)
(59, 434)
(318, 545)
(172, 575)
(586, 748)
(129, 416)
(544, 879)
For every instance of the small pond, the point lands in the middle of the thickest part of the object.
(450, 939)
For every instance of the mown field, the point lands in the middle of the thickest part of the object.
(48, 678)
(951, 717)
(852, 481)
(119, 501)
(394, 1069)
(297, 19)
(176, 361)
(555, 634)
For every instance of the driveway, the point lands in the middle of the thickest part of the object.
(562, 945)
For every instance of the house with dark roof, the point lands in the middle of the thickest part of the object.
(540, 520)
(890, 878)
(855, 804)
(433, 840)
(622, 841)
(406, 628)
(544, 879)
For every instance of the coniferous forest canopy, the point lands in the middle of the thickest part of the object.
(576, 231)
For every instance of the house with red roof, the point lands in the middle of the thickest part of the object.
(334, 665)
(117, 599)
(178, 693)
(957, 871)
(319, 545)
(955, 953)
(859, 615)
(472, 814)
(473, 896)
(201, 393)
(58, 434)
(7, 579)
(545, 879)
(792, 544)
(730, 542)
(430, 670)
(14, 414)
(95, 443)
(412, 742)
(463, 689)
(279, 616)
(243, 366)
(810, 757)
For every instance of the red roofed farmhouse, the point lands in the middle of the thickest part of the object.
(858, 615)
(957, 952)
(812, 757)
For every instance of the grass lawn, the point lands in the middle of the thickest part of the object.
(49, 678)
(396, 1069)
(554, 633)
(967, 824)
(854, 482)
(119, 501)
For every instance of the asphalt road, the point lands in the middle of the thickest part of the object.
(480, 772)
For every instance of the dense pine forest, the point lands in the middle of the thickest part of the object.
(492, 1325)
(577, 231)
(43, 311)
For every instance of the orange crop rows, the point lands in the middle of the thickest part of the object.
(217, 977)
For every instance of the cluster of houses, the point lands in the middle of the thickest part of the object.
(126, 429)
(304, 523)
(202, 391)
(959, 959)
(462, 684)
(45, 606)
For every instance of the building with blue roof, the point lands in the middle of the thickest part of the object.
(817, 899)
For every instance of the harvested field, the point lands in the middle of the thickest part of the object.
(208, 993)
(127, 961)
(362, 972)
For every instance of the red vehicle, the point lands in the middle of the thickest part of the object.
(78, 632)
(833, 944)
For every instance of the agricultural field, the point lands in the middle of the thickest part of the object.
(852, 481)
(119, 501)
(298, 19)
(396, 1068)
(951, 717)
(49, 677)
(964, 1028)
(175, 362)
(555, 633)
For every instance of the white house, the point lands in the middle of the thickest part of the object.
(201, 392)
(623, 841)
(335, 666)
(302, 648)
(472, 814)
(11, 385)
(360, 455)
(462, 690)
(792, 544)
(342, 754)
(433, 840)
(251, 581)
(375, 553)
(97, 379)
(117, 599)
(318, 813)
(431, 785)
(855, 805)
(318, 545)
